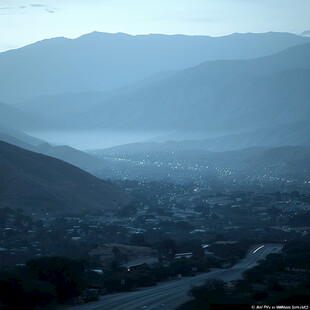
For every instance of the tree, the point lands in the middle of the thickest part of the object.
(198, 252)
(66, 275)
(117, 254)
(20, 292)
(167, 248)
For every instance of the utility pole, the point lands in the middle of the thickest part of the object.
(2, 252)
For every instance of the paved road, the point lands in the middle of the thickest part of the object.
(168, 295)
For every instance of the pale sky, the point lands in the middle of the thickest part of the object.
(26, 21)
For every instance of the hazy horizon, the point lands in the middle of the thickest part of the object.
(148, 34)
(50, 19)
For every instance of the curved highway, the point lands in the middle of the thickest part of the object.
(168, 295)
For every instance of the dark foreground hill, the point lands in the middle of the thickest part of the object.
(38, 183)
(89, 163)
(66, 153)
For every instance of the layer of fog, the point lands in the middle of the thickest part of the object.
(85, 140)
(88, 140)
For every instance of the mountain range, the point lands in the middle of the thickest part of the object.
(253, 98)
(224, 104)
(294, 134)
(103, 61)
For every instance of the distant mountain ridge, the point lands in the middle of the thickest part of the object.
(234, 98)
(10, 115)
(293, 134)
(102, 61)
(238, 102)
(292, 157)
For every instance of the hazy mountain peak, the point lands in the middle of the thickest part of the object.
(102, 35)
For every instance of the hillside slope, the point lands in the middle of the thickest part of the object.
(66, 153)
(38, 184)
